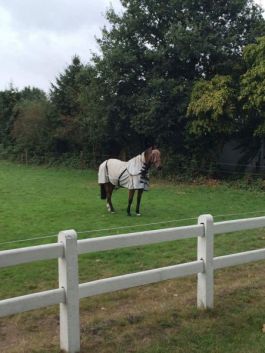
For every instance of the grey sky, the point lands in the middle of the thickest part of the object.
(38, 38)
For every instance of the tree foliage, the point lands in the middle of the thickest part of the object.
(212, 107)
(30, 129)
(169, 72)
(252, 87)
(8, 100)
(153, 53)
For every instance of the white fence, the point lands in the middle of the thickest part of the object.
(70, 291)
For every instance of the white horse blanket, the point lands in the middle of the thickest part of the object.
(131, 175)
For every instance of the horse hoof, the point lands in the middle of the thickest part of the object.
(138, 214)
(129, 214)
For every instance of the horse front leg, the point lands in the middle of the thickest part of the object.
(130, 200)
(139, 197)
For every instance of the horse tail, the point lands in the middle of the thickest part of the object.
(103, 194)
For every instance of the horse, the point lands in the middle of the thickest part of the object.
(133, 175)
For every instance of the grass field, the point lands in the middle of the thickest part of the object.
(37, 202)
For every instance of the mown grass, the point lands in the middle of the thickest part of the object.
(38, 202)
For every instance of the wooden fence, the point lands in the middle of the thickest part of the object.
(70, 291)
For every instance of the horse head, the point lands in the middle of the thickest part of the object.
(153, 157)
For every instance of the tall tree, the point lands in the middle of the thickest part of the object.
(252, 93)
(91, 117)
(32, 93)
(8, 100)
(64, 96)
(212, 114)
(153, 52)
(64, 92)
(31, 128)
(30, 125)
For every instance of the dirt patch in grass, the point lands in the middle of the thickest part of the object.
(155, 318)
(35, 331)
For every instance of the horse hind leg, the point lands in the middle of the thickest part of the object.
(109, 205)
(103, 194)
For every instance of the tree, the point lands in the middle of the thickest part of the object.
(92, 114)
(8, 100)
(30, 123)
(212, 116)
(32, 93)
(252, 93)
(31, 129)
(155, 50)
(64, 92)
(212, 108)
(64, 96)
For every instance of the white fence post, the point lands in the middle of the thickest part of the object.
(205, 285)
(68, 279)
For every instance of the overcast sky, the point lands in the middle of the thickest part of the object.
(38, 38)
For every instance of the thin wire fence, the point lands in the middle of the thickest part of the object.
(81, 162)
(84, 160)
(119, 228)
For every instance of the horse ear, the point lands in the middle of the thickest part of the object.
(148, 154)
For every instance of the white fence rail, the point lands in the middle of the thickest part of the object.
(70, 291)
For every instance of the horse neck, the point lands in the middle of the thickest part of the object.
(146, 164)
(145, 168)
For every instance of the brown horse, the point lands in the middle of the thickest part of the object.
(133, 175)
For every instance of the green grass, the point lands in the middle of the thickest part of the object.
(38, 202)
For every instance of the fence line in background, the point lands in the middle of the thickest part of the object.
(84, 161)
(70, 291)
(40, 237)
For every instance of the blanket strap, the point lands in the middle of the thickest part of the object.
(107, 169)
(121, 176)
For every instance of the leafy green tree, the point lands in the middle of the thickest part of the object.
(64, 92)
(64, 96)
(252, 93)
(212, 116)
(8, 100)
(31, 128)
(153, 52)
(253, 86)
(32, 93)
(92, 113)
(212, 108)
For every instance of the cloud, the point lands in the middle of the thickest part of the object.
(39, 38)
(58, 15)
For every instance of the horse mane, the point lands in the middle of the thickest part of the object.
(148, 155)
